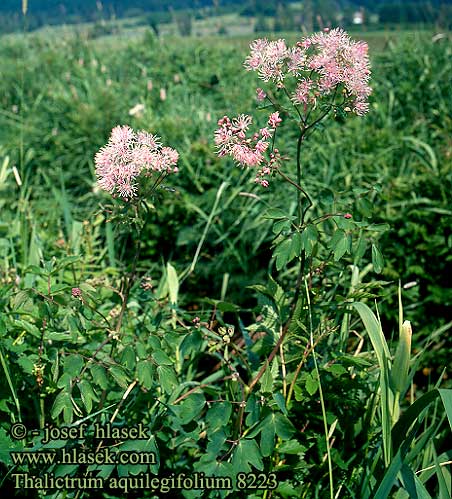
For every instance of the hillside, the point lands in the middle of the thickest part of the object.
(155, 12)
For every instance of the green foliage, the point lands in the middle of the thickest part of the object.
(181, 341)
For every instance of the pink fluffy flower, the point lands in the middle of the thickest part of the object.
(128, 155)
(265, 133)
(260, 94)
(268, 59)
(296, 60)
(274, 120)
(269, 167)
(339, 60)
(302, 92)
(320, 64)
(230, 138)
(250, 151)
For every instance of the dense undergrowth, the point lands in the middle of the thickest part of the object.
(392, 169)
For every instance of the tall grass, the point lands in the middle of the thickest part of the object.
(75, 90)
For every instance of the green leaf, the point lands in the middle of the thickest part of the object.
(62, 470)
(87, 394)
(275, 214)
(167, 378)
(309, 239)
(413, 485)
(160, 357)
(7, 445)
(378, 227)
(446, 397)
(73, 364)
(217, 438)
(245, 454)
(141, 446)
(102, 470)
(388, 481)
(295, 249)
(27, 363)
(145, 373)
(375, 333)
(190, 408)
(336, 369)
(281, 226)
(411, 414)
(99, 375)
(223, 306)
(291, 447)
(55, 368)
(279, 399)
(3, 330)
(344, 223)
(253, 410)
(21, 298)
(284, 428)
(267, 381)
(377, 259)
(425, 151)
(128, 357)
(444, 489)
(68, 413)
(360, 249)
(30, 328)
(34, 269)
(365, 207)
(312, 384)
(191, 343)
(58, 289)
(399, 371)
(64, 381)
(267, 439)
(341, 245)
(219, 414)
(67, 260)
(59, 336)
(286, 490)
(173, 283)
(87, 288)
(62, 400)
(381, 349)
(119, 375)
(282, 253)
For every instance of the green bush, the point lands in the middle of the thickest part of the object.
(178, 340)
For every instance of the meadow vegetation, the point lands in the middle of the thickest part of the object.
(178, 334)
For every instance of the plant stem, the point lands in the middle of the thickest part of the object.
(130, 279)
(300, 208)
(269, 358)
(322, 400)
(11, 386)
(297, 186)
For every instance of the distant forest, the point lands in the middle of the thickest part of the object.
(42, 12)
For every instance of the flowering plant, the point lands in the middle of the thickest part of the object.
(322, 73)
(326, 74)
(125, 165)
(131, 167)
(319, 64)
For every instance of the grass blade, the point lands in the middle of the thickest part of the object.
(380, 346)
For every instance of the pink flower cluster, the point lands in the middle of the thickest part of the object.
(320, 63)
(268, 58)
(126, 156)
(231, 139)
